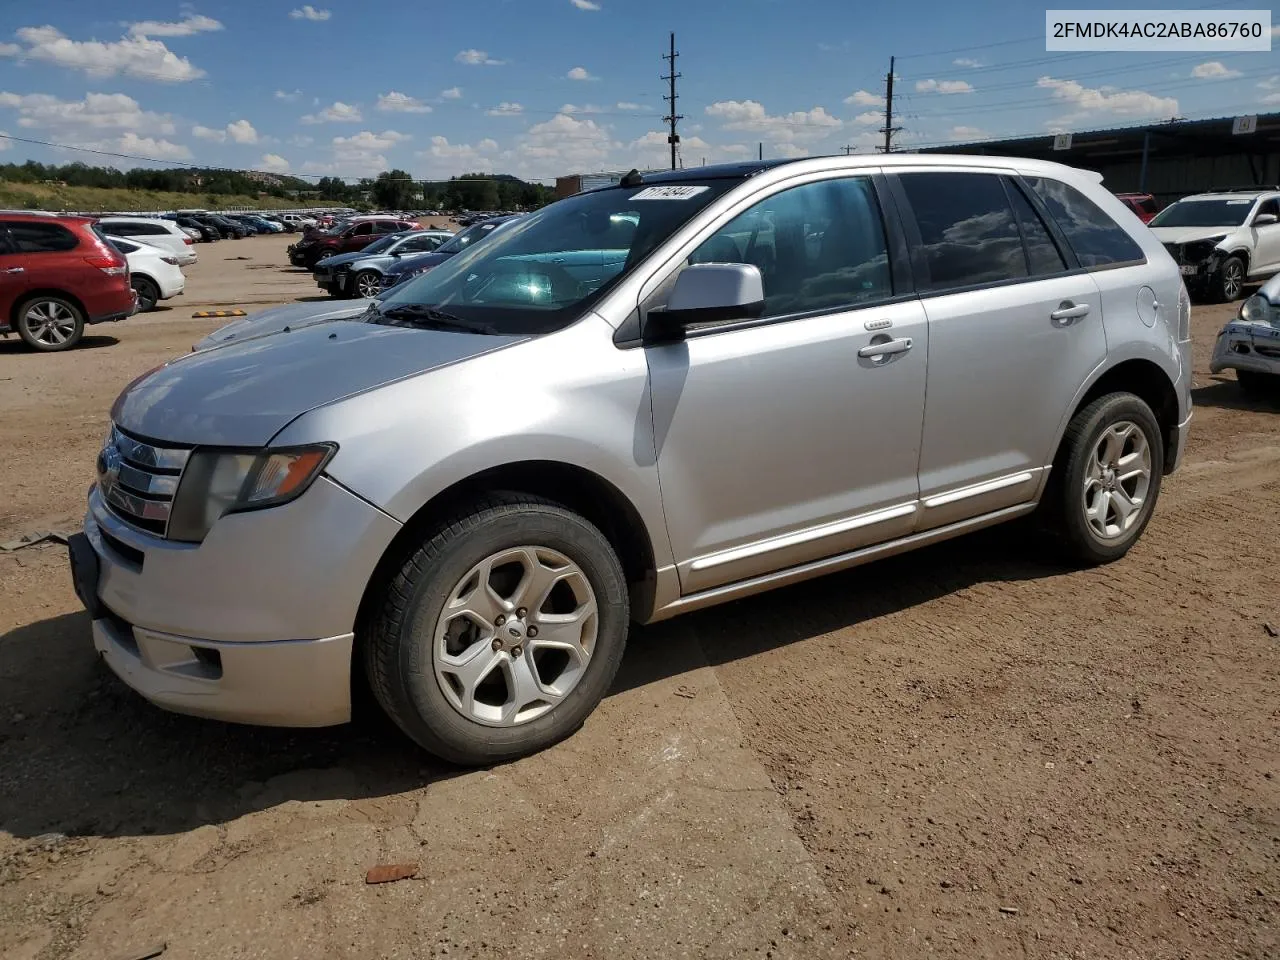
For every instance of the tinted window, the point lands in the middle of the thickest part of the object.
(387, 226)
(818, 246)
(419, 244)
(27, 237)
(967, 228)
(362, 230)
(1094, 236)
(1270, 206)
(1043, 256)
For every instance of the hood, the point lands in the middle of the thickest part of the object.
(418, 260)
(1189, 234)
(244, 393)
(293, 315)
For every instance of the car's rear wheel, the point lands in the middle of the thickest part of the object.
(367, 284)
(501, 632)
(50, 324)
(1106, 481)
(147, 291)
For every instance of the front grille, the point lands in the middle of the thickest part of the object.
(138, 480)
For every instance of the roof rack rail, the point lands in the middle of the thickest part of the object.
(1249, 188)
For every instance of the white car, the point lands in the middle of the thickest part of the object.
(1223, 240)
(298, 219)
(153, 231)
(154, 273)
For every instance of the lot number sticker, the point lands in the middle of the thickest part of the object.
(668, 193)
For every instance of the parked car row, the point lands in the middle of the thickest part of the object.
(344, 236)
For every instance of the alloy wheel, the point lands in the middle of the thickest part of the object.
(368, 284)
(50, 323)
(1232, 279)
(1117, 480)
(515, 636)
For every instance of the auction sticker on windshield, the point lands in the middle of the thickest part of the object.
(668, 193)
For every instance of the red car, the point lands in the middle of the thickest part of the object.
(58, 274)
(345, 237)
(1142, 204)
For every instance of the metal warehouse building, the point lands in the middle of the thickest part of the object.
(1169, 160)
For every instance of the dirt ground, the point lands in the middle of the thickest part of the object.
(965, 752)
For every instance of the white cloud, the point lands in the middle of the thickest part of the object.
(1127, 103)
(156, 149)
(396, 102)
(298, 140)
(288, 97)
(190, 24)
(505, 109)
(208, 133)
(1213, 70)
(273, 163)
(580, 73)
(1271, 98)
(943, 86)
(585, 4)
(337, 112)
(864, 98)
(4, 144)
(139, 57)
(967, 62)
(477, 58)
(800, 125)
(652, 150)
(95, 114)
(444, 158)
(790, 150)
(453, 93)
(308, 12)
(563, 144)
(241, 131)
(967, 133)
(572, 108)
(361, 154)
(628, 105)
(869, 117)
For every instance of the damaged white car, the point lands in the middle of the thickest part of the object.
(1250, 344)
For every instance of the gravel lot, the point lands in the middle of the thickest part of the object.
(965, 752)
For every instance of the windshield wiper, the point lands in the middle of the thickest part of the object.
(420, 314)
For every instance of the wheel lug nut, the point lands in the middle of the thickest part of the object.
(516, 651)
(497, 644)
(520, 614)
(533, 631)
(500, 620)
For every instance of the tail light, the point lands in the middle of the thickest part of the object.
(188, 241)
(109, 265)
(173, 261)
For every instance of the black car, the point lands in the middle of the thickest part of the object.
(227, 229)
(208, 232)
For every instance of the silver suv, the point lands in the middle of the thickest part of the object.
(636, 402)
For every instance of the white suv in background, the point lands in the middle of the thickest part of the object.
(154, 273)
(1223, 240)
(165, 234)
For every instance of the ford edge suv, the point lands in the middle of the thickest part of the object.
(635, 402)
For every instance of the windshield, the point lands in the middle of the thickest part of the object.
(382, 243)
(461, 241)
(543, 270)
(1204, 213)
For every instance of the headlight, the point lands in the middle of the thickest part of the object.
(1184, 313)
(1257, 309)
(216, 483)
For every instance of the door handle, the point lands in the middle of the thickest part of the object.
(1070, 311)
(14, 270)
(901, 345)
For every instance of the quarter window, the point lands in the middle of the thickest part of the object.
(1097, 239)
(820, 246)
(967, 228)
(1043, 256)
(27, 237)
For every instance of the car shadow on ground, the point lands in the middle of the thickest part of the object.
(13, 344)
(1227, 394)
(84, 755)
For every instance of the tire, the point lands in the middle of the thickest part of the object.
(1228, 283)
(410, 639)
(1258, 386)
(147, 291)
(49, 324)
(1075, 511)
(365, 278)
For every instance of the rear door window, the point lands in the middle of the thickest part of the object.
(362, 230)
(1097, 240)
(968, 230)
(28, 237)
(1043, 256)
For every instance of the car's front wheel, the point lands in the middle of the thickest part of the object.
(1108, 478)
(501, 632)
(367, 284)
(1230, 280)
(50, 324)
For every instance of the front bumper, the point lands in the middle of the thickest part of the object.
(254, 625)
(1247, 346)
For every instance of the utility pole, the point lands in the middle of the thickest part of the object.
(848, 149)
(888, 129)
(760, 150)
(673, 117)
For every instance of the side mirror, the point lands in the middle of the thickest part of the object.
(707, 293)
(1265, 219)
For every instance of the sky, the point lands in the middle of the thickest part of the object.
(545, 88)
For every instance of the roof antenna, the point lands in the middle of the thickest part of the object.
(632, 179)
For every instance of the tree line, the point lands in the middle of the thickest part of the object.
(389, 190)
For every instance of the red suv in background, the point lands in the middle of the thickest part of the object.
(1142, 204)
(58, 274)
(345, 237)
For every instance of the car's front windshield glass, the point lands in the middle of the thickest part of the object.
(381, 244)
(460, 241)
(540, 272)
(1204, 213)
